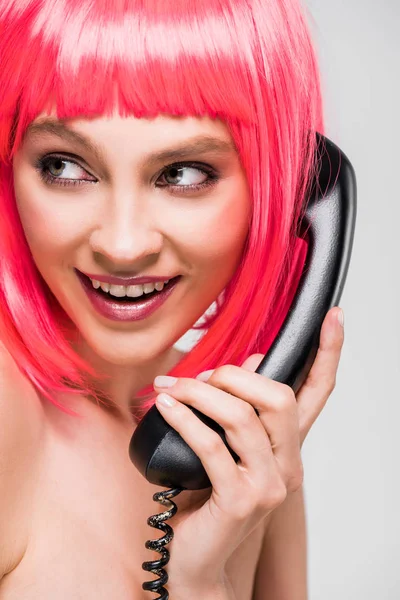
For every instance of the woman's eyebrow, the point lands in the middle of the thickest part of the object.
(199, 144)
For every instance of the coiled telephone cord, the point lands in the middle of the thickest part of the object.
(157, 521)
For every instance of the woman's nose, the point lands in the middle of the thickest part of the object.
(126, 233)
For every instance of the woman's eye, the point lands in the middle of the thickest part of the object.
(184, 176)
(188, 177)
(65, 168)
(61, 171)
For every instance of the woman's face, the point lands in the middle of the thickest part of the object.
(97, 196)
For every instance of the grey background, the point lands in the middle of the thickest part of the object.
(351, 456)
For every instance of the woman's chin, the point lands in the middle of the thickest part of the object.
(110, 355)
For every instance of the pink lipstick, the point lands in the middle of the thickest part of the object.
(124, 309)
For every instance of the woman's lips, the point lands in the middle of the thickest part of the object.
(118, 310)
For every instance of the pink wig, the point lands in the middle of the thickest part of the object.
(250, 63)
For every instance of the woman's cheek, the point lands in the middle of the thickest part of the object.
(215, 242)
(47, 218)
(228, 229)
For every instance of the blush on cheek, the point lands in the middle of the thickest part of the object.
(218, 256)
(48, 221)
(226, 224)
(229, 234)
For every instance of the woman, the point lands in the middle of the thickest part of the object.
(145, 143)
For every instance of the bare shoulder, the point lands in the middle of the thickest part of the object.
(20, 405)
(21, 430)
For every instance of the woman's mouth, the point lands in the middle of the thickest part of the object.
(126, 308)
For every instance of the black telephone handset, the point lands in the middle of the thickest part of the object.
(156, 449)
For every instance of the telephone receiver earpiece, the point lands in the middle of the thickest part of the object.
(156, 449)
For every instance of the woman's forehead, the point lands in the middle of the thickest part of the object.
(153, 141)
(200, 132)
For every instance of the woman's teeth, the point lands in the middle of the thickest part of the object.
(132, 291)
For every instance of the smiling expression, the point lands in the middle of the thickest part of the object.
(138, 197)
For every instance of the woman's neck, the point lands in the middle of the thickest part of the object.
(124, 384)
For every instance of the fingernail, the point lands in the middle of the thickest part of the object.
(340, 317)
(205, 375)
(165, 381)
(165, 400)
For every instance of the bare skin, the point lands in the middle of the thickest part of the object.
(77, 509)
(82, 525)
(74, 509)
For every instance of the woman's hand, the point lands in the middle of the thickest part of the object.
(268, 445)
